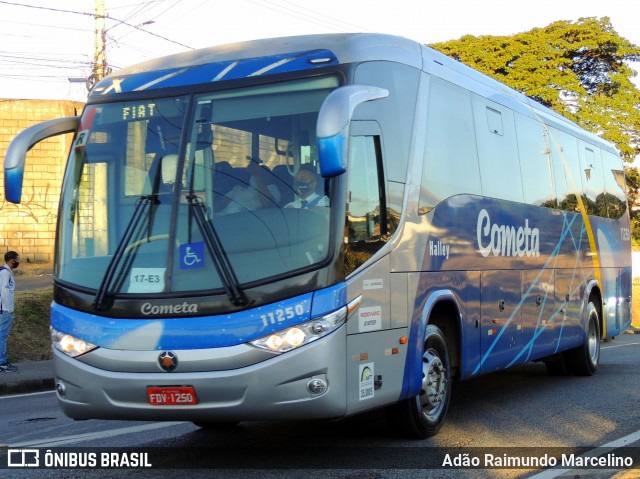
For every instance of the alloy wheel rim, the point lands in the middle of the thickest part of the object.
(434, 385)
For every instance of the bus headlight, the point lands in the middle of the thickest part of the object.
(301, 334)
(70, 345)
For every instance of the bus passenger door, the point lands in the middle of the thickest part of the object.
(374, 368)
(501, 328)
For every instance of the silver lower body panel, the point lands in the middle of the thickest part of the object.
(276, 388)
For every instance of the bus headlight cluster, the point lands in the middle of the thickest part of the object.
(69, 345)
(301, 334)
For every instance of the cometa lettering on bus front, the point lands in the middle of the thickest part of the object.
(506, 240)
(149, 309)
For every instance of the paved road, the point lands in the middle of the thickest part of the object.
(522, 407)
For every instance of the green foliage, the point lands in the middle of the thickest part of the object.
(29, 337)
(633, 183)
(579, 69)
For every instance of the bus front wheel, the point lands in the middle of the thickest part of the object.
(422, 416)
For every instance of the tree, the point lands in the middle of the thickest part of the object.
(633, 183)
(579, 69)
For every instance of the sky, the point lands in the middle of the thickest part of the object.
(46, 48)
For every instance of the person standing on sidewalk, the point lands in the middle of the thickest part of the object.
(7, 287)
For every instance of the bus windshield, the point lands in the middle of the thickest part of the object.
(198, 192)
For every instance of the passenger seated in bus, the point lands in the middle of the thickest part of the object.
(284, 181)
(263, 183)
(258, 192)
(223, 179)
(306, 185)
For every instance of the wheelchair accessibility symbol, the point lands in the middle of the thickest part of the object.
(192, 255)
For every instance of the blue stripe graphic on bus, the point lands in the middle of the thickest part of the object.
(196, 332)
(211, 72)
(539, 327)
(328, 300)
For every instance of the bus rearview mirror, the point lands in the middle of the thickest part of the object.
(333, 123)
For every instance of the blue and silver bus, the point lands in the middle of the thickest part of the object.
(457, 228)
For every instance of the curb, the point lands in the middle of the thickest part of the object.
(18, 386)
(633, 330)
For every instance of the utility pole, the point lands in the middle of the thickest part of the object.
(99, 53)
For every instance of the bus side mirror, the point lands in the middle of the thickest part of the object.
(333, 123)
(22, 143)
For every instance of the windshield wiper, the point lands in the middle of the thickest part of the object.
(100, 301)
(216, 250)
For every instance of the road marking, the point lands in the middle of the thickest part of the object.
(89, 436)
(26, 394)
(618, 345)
(599, 451)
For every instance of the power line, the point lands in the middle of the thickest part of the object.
(188, 12)
(148, 32)
(45, 62)
(140, 8)
(23, 53)
(167, 9)
(15, 4)
(59, 10)
(328, 18)
(42, 25)
(307, 15)
(39, 78)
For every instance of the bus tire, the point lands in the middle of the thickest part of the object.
(584, 360)
(422, 416)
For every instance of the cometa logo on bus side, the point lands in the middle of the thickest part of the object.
(506, 240)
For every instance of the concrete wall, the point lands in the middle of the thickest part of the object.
(29, 228)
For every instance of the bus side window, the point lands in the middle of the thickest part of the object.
(535, 162)
(365, 231)
(566, 169)
(614, 184)
(592, 181)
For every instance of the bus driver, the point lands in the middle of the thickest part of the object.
(306, 184)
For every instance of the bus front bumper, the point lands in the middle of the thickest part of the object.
(287, 386)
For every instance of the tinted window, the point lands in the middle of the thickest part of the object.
(593, 181)
(402, 83)
(565, 182)
(450, 162)
(535, 162)
(366, 230)
(497, 150)
(614, 184)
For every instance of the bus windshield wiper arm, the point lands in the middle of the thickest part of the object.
(218, 254)
(142, 204)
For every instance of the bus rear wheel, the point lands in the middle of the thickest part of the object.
(584, 360)
(422, 416)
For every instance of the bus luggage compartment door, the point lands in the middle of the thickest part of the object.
(501, 327)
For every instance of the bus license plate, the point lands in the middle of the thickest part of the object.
(171, 395)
